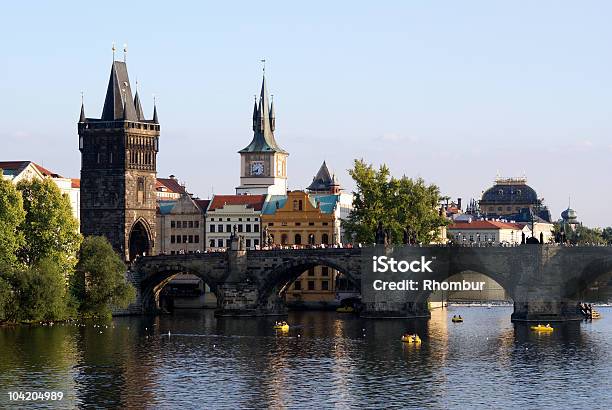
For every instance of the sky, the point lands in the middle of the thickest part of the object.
(453, 92)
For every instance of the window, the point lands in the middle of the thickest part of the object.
(300, 204)
(256, 219)
(239, 219)
(190, 238)
(492, 237)
(191, 224)
(185, 225)
(248, 219)
(184, 238)
(298, 224)
(499, 208)
(248, 243)
(298, 239)
(197, 238)
(239, 227)
(284, 239)
(325, 223)
(311, 239)
(325, 239)
(295, 205)
(270, 223)
(248, 227)
(228, 227)
(172, 224)
(255, 228)
(178, 238)
(310, 223)
(227, 219)
(212, 219)
(227, 243)
(324, 271)
(172, 239)
(297, 285)
(311, 271)
(211, 243)
(311, 285)
(212, 228)
(220, 228)
(255, 242)
(325, 285)
(220, 243)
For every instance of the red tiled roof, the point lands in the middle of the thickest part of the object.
(251, 201)
(171, 185)
(484, 225)
(76, 183)
(20, 165)
(202, 204)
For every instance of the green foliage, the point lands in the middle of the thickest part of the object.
(6, 299)
(49, 229)
(581, 235)
(40, 292)
(12, 216)
(399, 204)
(606, 234)
(99, 282)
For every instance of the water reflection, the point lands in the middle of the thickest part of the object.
(325, 359)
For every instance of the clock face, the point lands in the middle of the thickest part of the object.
(257, 168)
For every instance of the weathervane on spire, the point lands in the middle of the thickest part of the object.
(264, 65)
(124, 52)
(114, 49)
(82, 99)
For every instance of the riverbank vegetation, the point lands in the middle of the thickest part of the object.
(47, 271)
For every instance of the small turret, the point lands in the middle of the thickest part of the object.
(138, 106)
(82, 116)
(272, 116)
(155, 120)
(255, 114)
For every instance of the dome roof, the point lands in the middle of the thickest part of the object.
(569, 215)
(510, 192)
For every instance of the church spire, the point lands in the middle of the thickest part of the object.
(155, 120)
(119, 95)
(271, 115)
(255, 113)
(138, 105)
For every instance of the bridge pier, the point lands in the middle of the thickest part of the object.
(242, 299)
(395, 310)
(546, 311)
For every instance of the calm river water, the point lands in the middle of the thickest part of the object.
(327, 360)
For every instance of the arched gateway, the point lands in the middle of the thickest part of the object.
(544, 281)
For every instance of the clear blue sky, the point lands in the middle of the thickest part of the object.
(454, 92)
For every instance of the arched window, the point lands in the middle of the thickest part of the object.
(298, 239)
(325, 239)
(311, 239)
(284, 239)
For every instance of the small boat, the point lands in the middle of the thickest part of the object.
(457, 319)
(542, 328)
(411, 339)
(345, 309)
(284, 326)
(595, 314)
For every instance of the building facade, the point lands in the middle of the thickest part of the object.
(263, 163)
(16, 171)
(487, 232)
(512, 198)
(181, 225)
(118, 169)
(228, 211)
(299, 220)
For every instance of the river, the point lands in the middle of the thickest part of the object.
(327, 359)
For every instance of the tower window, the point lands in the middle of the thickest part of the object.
(140, 190)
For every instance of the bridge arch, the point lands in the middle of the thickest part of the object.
(598, 271)
(501, 280)
(288, 271)
(157, 275)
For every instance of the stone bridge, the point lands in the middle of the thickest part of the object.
(544, 281)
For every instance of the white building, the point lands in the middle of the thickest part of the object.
(227, 211)
(476, 232)
(16, 171)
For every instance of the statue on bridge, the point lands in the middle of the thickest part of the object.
(382, 235)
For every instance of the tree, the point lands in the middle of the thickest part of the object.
(49, 229)
(40, 292)
(607, 235)
(398, 204)
(12, 216)
(99, 282)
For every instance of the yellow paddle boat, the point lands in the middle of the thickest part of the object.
(411, 339)
(542, 328)
(457, 319)
(284, 326)
(345, 309)
(595, 314)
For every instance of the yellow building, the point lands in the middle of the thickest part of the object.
(299, 219)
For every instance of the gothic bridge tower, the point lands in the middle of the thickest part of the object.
(118, 169)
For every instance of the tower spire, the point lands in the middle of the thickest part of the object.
(271, 114)
(155, 120)
(82, 116)
(255, 113)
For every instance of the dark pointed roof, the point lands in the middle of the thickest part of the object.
(118, 91)
(263, 138)
(155, 120)
(138, 107)
(82, 116)
(323, 180)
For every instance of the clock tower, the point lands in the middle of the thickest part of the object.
(263, 164)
